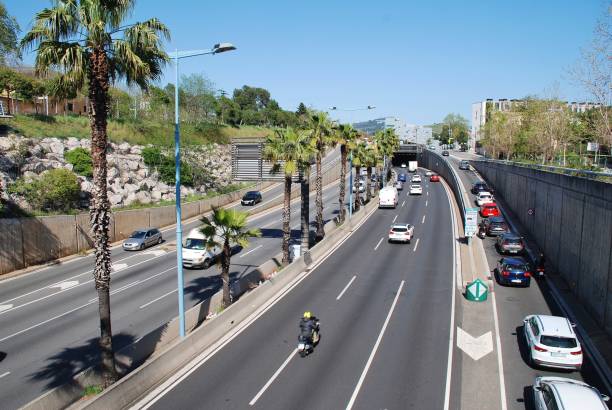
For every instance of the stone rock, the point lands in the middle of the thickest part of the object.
(111, 173)
(131, 198)
(57, 148)
(115, 199)
(168, 197)
(162, 187)
(142, 173)
(136, 149)
(123, 148)
(156, 195)
(6, 144)
(29, 175)
(72, 143)
(86, 186)
(6, 164)
(143, 197)
(129, 188)
(132, 165)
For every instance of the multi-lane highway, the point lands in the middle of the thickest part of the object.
(385, 312)
(48, 319)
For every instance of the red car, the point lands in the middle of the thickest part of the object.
(489, 209)
(434, 178)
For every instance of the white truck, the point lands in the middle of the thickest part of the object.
(388, 197)
(412, 166)
(195, 254)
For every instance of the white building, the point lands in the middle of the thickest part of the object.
(405, 132)
(419, 134)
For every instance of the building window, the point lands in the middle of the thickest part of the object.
(70, 107)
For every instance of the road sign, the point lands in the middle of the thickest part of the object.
(471, 222)
(476, 291)
(592, 146)
(531, 211)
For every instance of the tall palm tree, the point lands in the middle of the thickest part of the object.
(321, 138)
(388, 142)
(224, 228)
(345, 136)
(359, 160)
(285, 149)
(91, 44)
(369, 160)
(305, 159)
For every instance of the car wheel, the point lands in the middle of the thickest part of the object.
(159, 240)
(141, 247)
(206, 263)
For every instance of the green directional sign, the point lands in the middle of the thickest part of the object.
(476, 291)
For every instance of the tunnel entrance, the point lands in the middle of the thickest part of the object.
(401, 157)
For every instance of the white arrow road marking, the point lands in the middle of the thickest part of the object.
(5, 307)
(116, 267)
(4, 374)
(475, 347)
(155, 252)
(65, 285)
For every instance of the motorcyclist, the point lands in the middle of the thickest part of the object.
(482, 229)
(540, 264)
(309, 327)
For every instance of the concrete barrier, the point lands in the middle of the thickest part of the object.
(163, 216)
(48, 238)
(128, 221)
(11, 245)
(570, 219)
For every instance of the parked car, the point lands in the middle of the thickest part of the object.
(464, 165)
(513, 271)
(428, 173)
(564, 393)
(401, 232)
(142, 238)
(552, 342)
(445, 153)
(483, 197)
(416, 189)
(416, 178)
(251, 198)
(489, 209)
(479, 186)
(434, 178)
(401, 177)
(403, 165)
(399, 185)
(509, 243)
(495, 225)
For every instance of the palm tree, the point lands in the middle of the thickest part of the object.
(370, 158)
(345, 136)
(359, 160)
(321, 138)
(224, 228)
(306, 155)
(387, 142)
(285, 149)
(89, 42)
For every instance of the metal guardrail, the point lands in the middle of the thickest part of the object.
(600, 176)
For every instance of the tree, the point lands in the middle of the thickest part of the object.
(90, 44)
(55, 190)
(9, 81)
(285, 150)
(359, 160)
(306, 155)
(346, 136)
(387, 142)
(321, 137)
(224, 228)
(370, 159)
(198, 99)
(454, 129)
(228, 111)
(9, 30)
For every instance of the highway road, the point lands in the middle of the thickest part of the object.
(513, 304)
(49, 318)
(385, 312)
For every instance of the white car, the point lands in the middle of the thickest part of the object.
(416, 178)
(416, 189)
(362, 185)
(401, 233)
(552, 342)
(403, 165)
(564, 393)
(483, 197)
(428, 173)
(399, 185)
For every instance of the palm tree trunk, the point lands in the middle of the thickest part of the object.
(369, 185)
(225, 268)
(286, 219)
(319, 199)
(342, 184)
(305, 209)
(100, 209)
(357, 194)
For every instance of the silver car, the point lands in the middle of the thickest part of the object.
(142, 238)
(564, 393)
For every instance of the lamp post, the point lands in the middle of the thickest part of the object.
(178, 55)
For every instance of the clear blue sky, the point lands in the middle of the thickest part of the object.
(417, 60)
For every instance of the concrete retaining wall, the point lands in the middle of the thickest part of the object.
(571, 221)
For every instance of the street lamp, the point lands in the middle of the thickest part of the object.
(178, 55)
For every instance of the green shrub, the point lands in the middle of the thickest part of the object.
(164, 164)
(56, 190)
(81, 161)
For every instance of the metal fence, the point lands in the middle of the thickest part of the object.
(601, 176)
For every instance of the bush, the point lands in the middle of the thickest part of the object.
(56, 190)
(164, 164)
(81, 161)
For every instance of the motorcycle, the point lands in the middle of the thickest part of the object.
(306, 343)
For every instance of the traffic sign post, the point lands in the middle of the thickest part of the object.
(476, 291)
(471, 222)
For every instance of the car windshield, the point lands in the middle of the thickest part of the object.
(513, 241)
(138, 234)
(399, 229)
(518, 266)
(250, 195)
(556, 341)
(194, 243)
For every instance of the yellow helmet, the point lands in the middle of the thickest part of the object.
(307, 315)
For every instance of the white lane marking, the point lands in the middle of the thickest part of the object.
(121, 289)
(157, 393)
(395, 218)
(416, 245)
(378, 244)
(65, 285)
(374, 350)
(252, 250)
(403, 203)
(427, 193)
(426, 202)
(475, 347)
(157, 299)
(274, 376)
(155, 252)
(4, 374)
(423, 221)
(502, 385)
(116, 267)
(5, 307)
(346, 287)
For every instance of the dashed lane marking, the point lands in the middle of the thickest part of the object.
(378, 244)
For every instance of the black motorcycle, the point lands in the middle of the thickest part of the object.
(307, 342)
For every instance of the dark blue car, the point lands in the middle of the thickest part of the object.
(401, 177)
(513, 271)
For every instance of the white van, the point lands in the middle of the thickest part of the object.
(387, 197)
(195, 254)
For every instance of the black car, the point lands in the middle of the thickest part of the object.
(495, 225)
(464, 165)
(445, 153)
(479, 186)
(251, 198)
